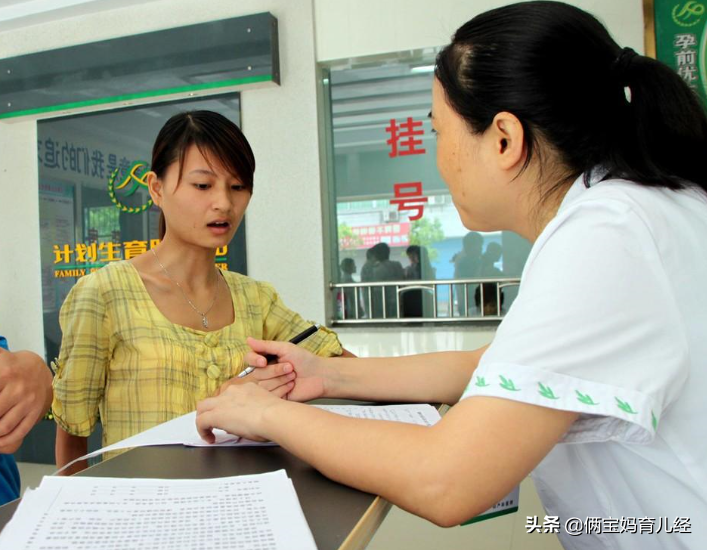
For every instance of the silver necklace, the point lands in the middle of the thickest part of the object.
(204, 320)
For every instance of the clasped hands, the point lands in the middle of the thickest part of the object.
(239, 404)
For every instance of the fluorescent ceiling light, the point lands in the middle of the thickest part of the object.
(16, 10)
(423, 69)
(16, 14)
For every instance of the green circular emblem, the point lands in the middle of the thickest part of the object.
(135, 176)
(688, 14)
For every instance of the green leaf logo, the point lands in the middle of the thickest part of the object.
(654, 420)
(507, 384)
(624, 406)
(481, 382)
(546, 391)
(585, 398)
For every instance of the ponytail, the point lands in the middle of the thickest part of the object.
(662, 140)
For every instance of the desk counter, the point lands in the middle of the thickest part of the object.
(340, 517)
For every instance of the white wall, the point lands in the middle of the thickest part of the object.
(20, 268)
(347, 29)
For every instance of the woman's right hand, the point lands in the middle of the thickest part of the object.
(309, 382)
(278, 379)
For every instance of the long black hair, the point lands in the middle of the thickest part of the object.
(557, 69)
(214, 135)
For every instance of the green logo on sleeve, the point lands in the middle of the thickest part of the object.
(624, 406)
(654, 420)
(585, 398)
(481, 382)
(507, 384)
(546, 391)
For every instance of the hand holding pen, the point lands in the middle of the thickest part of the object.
(272, 358)
(277, 378)
(312, 371)
(236, 408)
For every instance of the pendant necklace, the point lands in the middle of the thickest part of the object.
(204, 320)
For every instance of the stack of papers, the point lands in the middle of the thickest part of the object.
(86, 513)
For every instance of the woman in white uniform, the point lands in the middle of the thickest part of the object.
(596, 380)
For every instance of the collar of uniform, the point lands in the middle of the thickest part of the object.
(582, 184)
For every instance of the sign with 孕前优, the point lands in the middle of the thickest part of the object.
(681, 40)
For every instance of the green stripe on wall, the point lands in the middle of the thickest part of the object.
(140, 95)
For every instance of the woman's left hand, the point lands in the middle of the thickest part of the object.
(277, 379)
(238, 410)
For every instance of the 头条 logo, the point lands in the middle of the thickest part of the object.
(135, 175)
(688, 14)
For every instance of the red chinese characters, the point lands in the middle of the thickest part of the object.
(408, 196)
(402, 137)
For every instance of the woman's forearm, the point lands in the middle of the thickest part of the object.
(433, 377)
(447, 473)
(369, 457)
(70, 447)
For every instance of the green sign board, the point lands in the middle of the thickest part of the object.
(681, 40)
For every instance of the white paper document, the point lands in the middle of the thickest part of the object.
(182, 430)
(83, 513)
(178, 431)
(424, 415)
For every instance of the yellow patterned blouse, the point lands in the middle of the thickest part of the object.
(122, 358)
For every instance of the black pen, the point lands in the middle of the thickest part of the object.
(294, 340)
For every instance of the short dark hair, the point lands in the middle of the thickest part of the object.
(381, 252)
(413, 249)
(214, 135)
(557, 69)
(348, 265)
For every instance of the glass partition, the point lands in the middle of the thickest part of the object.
(394, 217)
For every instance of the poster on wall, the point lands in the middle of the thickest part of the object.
(680, 40)
(56, 218)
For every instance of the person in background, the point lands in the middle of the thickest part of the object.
(368, 294)
(144, 340)
(467, 261)
(596, 378)
(491, 256)
(368, 265)
(417, 302)
(420, 267)
(492, 297)
(467, 265)
(348, 268)
(385, 269)
(25, 396)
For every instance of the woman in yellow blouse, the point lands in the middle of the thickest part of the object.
(145, 339)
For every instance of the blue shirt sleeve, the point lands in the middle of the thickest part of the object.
(9, 476)
(9, 479)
